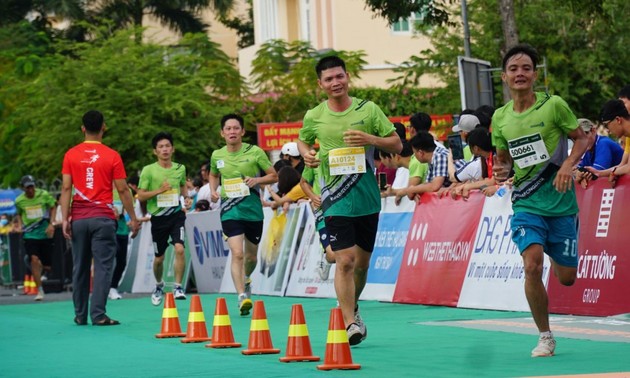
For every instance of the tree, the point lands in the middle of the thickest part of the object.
(179, 15)
(140, 88)
(242, 24)
(435, 11)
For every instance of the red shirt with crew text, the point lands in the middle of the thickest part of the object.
(93, 167)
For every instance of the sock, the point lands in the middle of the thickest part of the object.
(178, 284)
(160, 284)
(547, 334)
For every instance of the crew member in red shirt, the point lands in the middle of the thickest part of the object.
(92, 168)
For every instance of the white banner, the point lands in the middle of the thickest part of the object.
(208, 250)
(143, 279)
(494, 278)
(305, 281)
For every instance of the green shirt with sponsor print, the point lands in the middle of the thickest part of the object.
(152, 177)
(346, 191)
(35, 213)
(237, 201)
(538, 143)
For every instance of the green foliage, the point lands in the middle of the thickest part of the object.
(140, 88)
(435, 11)
(243, 25)
(407, 101)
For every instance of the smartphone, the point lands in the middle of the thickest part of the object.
(456, 145)
(592, 176)
(382, 181)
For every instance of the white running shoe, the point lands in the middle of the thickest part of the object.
(244, 304)
(156, 296)
(359, 321)
(178, 293)
(354, 334)
(114, 294)
(323, 268)
(545, 348)
(40, 294)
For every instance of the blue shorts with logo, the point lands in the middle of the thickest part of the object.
(557, 235)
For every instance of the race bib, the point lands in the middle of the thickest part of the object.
(235, 188)
(348, 160)
(529, 150)
(170, 198)
(34, 212)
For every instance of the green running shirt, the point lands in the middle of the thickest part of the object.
(351, 194)
(233, 167)
(35, 213)
(538, 143)
(152, 177)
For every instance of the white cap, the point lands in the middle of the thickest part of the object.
(291, 149)
(467, 123)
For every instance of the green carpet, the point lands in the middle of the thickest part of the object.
(42, 341)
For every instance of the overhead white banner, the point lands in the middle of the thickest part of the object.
(495, 277)
(208, 249)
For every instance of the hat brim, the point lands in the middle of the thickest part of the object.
(457, 129)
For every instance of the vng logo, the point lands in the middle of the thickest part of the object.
(209, 244)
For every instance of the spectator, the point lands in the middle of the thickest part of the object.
(289, 189)
(602, 153)
(476, 174)
(400, 162)
(290, 153)
(466, 124)
(615, 118)
(202, 205)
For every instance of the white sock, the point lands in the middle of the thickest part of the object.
(547, 334)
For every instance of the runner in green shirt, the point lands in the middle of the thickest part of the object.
(161, 185)
(237, 167)
(35, 208)
(531, 133)
(348, 129)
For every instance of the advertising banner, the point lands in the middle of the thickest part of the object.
(391, 237)
(439, 246)
(304, 280)
(494, 278)
(209, 251)
(603, 271)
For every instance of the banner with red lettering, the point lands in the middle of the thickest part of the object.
(604, 261)
(438, 249)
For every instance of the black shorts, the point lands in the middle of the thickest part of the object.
(165, 227)
(345, 232)
(251, 229)
(42, 248)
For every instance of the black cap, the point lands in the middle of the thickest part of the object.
(613, 109)
(27, 181)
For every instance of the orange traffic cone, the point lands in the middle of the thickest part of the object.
(337, 346)
(196, 331)
(298, 344)
(259, 335)
(32, 286)
(170, 319)
(222, 336)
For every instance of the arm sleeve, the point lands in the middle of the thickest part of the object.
(119, 168)
(565, 118)
(263, 160)
(296, 193)
(470, 171)
(145, 180)
(382, 125)
(603, 157)
(307, 132)
(440, 166)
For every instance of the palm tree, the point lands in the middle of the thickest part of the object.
(178, 15)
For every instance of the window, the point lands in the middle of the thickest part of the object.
(408, 25)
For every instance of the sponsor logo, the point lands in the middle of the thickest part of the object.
(310, 290)
(209, 244)
(91, 160)
(605, 212)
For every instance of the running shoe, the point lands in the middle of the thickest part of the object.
(545, 348)
(244, 304)
(156, 296)
(178, 293)
(323, 268)
(355, 336)
(114, 294)
(359, 321)
(40, 294)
